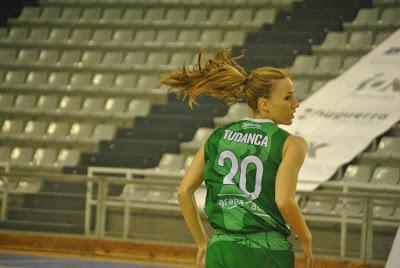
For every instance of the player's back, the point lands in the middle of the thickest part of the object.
(241, 162)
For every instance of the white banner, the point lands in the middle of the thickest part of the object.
(342, 118)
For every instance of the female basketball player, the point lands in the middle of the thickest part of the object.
(250, 168)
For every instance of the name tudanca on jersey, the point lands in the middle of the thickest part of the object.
(248, 138)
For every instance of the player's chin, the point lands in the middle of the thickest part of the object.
(287, 122)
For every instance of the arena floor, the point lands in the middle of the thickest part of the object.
(11, 259)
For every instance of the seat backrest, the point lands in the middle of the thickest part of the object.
(386, 175)
(357, 174)
(6, 100)
(37, 78)
(25, 101)
(57, 130)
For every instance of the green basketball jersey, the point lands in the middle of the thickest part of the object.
(241, 162)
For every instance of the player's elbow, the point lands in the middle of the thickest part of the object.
(283, 204)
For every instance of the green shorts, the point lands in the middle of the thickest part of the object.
(266, 249)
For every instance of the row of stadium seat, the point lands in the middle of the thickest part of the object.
(142, 38)
(384, 210)
(375, 18)
(151, 15)
(83, 58)
(57, 82)
(73, 105)
(346, 42)
(46, 132)
(39, 157)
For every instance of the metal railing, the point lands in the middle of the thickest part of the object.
(97, 179)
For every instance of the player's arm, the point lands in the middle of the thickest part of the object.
(190, 182)
(293, 155)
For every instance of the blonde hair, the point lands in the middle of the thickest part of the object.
(223, 78)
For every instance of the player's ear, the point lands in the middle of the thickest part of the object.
(263, 104)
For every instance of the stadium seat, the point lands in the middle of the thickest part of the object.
(386, 176)
(353, 208)
(388, 147)
(70, 14)
(123, 36)
(8, 55)
(170, 164)
(34, 129)
(15, 77)
(390, 16)
(37, 78)
(135, 192)
(158, 194)
(5, 152)
(303, 64)
(302, 88)
(80, 131)
(27, 55)
(328, 66)
(366, 16)
(80, 35)
(360, 41)
(69, 103)
(50, 13)
(333, 41)
(57, 131)
(349, 61)
(90, 14)
(196, 15)
(153, 14)
(47, 102)
(11, 128)
(18, 33)
(58, 79)
(133, 58)
(199, 139)
(144, 36)
(30, 13)
(111, 14)
(90, 58)
(49, 56)
(44, 157)
(236, 112)
(219, 15)
(6, 100)
(39, 33)
(21, 156)
(101, 35)
(132, 14)
(59, 34)
(175, 15)
(319, 205)
(357, 174)
(67, 157)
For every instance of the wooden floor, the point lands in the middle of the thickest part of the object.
(151, 255)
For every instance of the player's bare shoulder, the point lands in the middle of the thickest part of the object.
(296, 143)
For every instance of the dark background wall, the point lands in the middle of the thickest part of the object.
(12, 8)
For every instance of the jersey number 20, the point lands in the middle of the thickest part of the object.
(250, 159)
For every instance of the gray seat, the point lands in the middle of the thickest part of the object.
(137, 107)
(360, 41)
(25, 102)
(153, 14)
(34, 129)
(123, 36)
(319, 205)
(90, 14)
(70, 14)
(333, 41)
(67, 157)
(158, 194)
(170, 164)
(112, 14)
(58, 79)
(37, 78)
(6, 100)
(135, 192)
(39, 34)
(197, 15)
(101, 35)
(264, 16)
(125, 82)
(383, 210)
(18, 33)
(8, 55)
(144, 36)
(349, 61)
(357, 174)
(50, 13)
(390, 16)
(219, 15)
(15, 77)
(353, 208)
(135, 57)
(236, 112)
(81, 79)
(302, 88)
(113, 58)
(175, 15)
(380, 37)
(386, 176)
(303, 64)
(115, 106)
(44, 157)
(92, 105)
(69, 103)
(329, 66)
(91, 57)
(5, 153)
(179, 58)
(366, 16)
(186, 37)
(21, 155)
(133, 14)
(211, 36)
(101, 80)
(147, 82)
(49, 56)
(388, 147)
(69, 57)
(241, 15)
(47, 102)
(27, 55)
(165, 36)
(234, 38)
(30, 13)
(57, 131)
(199, 139)
(156, 59)
(103, 132)
(59, 34)
(12, 127)
(81, 35)
(80, 131)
